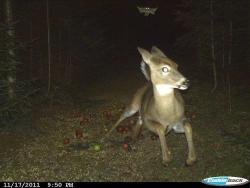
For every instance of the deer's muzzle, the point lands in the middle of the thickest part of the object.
(184, 85)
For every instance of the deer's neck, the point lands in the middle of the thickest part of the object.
(163, 94)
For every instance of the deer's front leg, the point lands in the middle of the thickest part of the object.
(191, 151)
(160, 130)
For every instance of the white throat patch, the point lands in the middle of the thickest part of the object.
(163, 89)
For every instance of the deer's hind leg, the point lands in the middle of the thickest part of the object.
(129, 111)
(137, 128)
(191, 151)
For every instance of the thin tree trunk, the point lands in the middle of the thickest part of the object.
(229, 65)
(212, 44)
(31, 51)
(69, 54)
(199, 50)
(10, 34)
(70, 69)
(49, 49)
(9, 21)
(223, 62)
(199, 41)
(61, 72)
(223, 50)
(229, 93)
(60, 48)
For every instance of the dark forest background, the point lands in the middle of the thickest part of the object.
(56, 46)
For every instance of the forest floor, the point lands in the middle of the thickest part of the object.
(62, 141)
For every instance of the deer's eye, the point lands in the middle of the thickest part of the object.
(165, 69)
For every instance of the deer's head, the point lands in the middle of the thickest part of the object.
(163, 71)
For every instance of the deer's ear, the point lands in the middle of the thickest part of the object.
(156, 51)
(145, 55)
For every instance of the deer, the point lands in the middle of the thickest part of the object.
(159, 103)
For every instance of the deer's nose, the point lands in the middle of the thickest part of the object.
(186, 82)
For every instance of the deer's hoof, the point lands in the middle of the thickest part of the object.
(165, 163)
(190, 162)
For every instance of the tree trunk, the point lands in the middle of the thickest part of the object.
(69, 63)
(31, 51)
(10, 35)
(49, 49)
(60, 48)
(229, 65)
(212, 44)
(223, 62)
